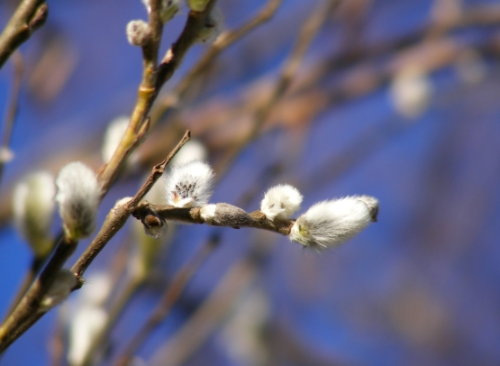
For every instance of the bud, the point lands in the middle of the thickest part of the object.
(224, 214)
(138, 32)
(328, 224)
(197, 5)
(168, 8)
(189, 185)
(281, 202)
(78, 198)
(33, 207)
(410, 92)
(212, 28)
(59, 291)
(113, 136)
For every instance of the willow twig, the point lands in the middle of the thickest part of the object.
(168, 299)
(10, 117)
(236, 280)
(289, 70)
(29, 16)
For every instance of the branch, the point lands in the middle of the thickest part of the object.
(5, 153)
(29, 16)
(307, 32)
(119, 215)
(168, 299)
(224, 215)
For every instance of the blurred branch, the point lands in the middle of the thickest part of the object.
(29, 16)
(290, 68)
(223, 42)
(170, 296)
(214, 309)
(119, 215)
(225, 215)
(27, 313)
(10, 117)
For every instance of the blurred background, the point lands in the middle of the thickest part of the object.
(398, 99)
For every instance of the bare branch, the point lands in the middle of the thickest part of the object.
(119, 215)
(29, 16)
(10, 117)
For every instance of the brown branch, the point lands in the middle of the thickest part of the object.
(225, 215)
(119, 215)
(200, 325)
(27, 313)
(28, 308)
(29, 16)
(290, 68)
(152, 81)
(11, 112)
(168, 299)
(223, 42)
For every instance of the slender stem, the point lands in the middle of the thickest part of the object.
(12, 328)
(11, 112)
(290, 68)
(29, 16)
(168, 299)
(100, 340)
(119, 215)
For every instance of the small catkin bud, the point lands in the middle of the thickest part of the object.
(328, 224)
(59, 291)
(112, 137)
(410, 92)
(224, 214)
(78, 198)
(281, 202)
(212, 28)
(189, 185)
(33, 208)
(138, 32)
(197, 5)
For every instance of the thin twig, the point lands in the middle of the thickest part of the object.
(289, 70)
(10, 117)
(27, 312)
(225, 215)
(119, 215)
(29, 306)
(168, 299)
(29, 16)
(235, 281)
(223, 42)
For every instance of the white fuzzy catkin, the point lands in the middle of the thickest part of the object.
(59, 291)
(78, 198)
(138, 32)
(189, 185)
(168, 10)
(281, 202)
(33, 207)
(328, 224)
(112, 137)
(213, 27)
(410, 91)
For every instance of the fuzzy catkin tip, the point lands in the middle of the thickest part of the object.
(212, 28)
(189, 185)
(281, 202)
(78, 199)
(33, 208)
(59, 291)
(328, 224)
(138, 32)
